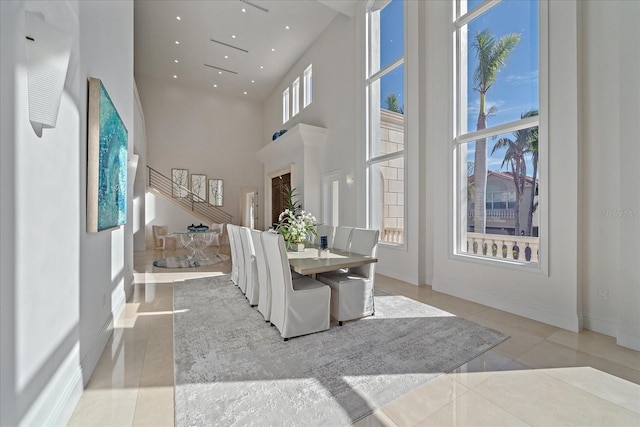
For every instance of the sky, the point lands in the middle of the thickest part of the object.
(516, 89)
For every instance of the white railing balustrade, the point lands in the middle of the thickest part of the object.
(392, 235)
(500, 246)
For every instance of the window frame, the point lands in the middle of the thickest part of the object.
(295, 97)
(458, 226)
(285, 106)
(372, 160)
(308, 86)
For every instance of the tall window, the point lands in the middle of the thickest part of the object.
(308, 86)
(295, 97)
(285, 105)
(496, 144)
(385, 120)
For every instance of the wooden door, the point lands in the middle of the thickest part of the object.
(278, 200)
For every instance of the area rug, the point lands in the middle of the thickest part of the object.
(184, 261)
(233, 369)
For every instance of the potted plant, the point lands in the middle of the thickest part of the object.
(294, 223)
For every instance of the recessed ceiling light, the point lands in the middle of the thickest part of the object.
(261, 67)
(286, 27)
(177, 42)
(215, 85)
(245, 92)
(233, 36)
(253, 81)
(273, 50)
(244, 10)
(226, 57)
(219, 72)
(175, 77)
(175, 60)
(178, 18)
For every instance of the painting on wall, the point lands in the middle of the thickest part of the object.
(180, 180)
(215, 192)
(199, 187)
(107, 144)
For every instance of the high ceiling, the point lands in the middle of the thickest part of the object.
(257, 41)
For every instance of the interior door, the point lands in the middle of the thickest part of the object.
(278, 200)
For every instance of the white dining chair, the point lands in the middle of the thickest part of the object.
(242, 280)
(342, 238)
(324, 230)
(298, 307)
(264, 286)
(234, 255)
(352, 291)
(251, 273)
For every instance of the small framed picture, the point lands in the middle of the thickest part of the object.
(180, 180)
(215, 192)
(199, 188)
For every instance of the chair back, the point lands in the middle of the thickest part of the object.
(342, 238)
(325, 230)
(158, 231)
(234, 256)
(279, 276)
(242, 280)
(251, 274)
(264, 287)
(364, 242)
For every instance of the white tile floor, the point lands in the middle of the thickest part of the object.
(541, 376)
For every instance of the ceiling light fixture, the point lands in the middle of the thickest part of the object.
(255, 5)
(226, 57)
(244, 10)
(233, 36)
(261, 67)
(175, 60)
(219, 72)
(178, 18)
(273, 50)
(175, 77)
(253, 81)
(215, 85)
(229, 45)
(221, 69)
(245, 92)
(286, 27)
(177, 42)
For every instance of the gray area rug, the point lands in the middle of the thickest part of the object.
(185, 261)
(233, 369)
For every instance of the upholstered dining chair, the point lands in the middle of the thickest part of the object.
(325, 230)
(217, 237)
(242, 280)
(298, 307)
(161, 239)
(264, 286)
(251, 273)
(234, 255)
(342, 238)
(352, 291)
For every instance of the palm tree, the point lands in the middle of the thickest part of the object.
(491, 55)
(392, 104)
(517, 149)
(533, 149)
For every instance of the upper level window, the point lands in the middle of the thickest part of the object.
(308, 86)
(385, 120)
(496, 129)
(285, 105)
(295, 97)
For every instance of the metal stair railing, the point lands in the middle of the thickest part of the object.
(191, 202)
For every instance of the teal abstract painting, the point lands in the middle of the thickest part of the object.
(107, 162)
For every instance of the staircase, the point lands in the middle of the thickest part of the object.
(199, 207)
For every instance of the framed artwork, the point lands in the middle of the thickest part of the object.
(180, 181)
(215, 192)
(107, 145)
(199, 187)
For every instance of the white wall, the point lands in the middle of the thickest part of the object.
(54, 275)
(205, 133)
(334, 57)
(610, 203)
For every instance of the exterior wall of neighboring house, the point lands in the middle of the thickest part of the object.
(501, 217)
(392, 175)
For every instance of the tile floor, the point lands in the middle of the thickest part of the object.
(541, 376)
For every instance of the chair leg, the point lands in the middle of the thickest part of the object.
(339, 322)
(286, 339)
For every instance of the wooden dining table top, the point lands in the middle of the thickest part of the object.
(309, 261)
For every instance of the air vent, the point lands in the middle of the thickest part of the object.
(255, 5)
(221, 69)
(229, 45)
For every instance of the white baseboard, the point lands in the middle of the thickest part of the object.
(628, 340)
(397, 275)
(90, 360)
(600, 326)
(541, 314)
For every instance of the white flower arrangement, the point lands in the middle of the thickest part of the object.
(296, 226)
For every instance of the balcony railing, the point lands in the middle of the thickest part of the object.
(495, 213)
(392, 235)
(499, 246)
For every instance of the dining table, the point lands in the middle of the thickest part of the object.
(312, 261)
